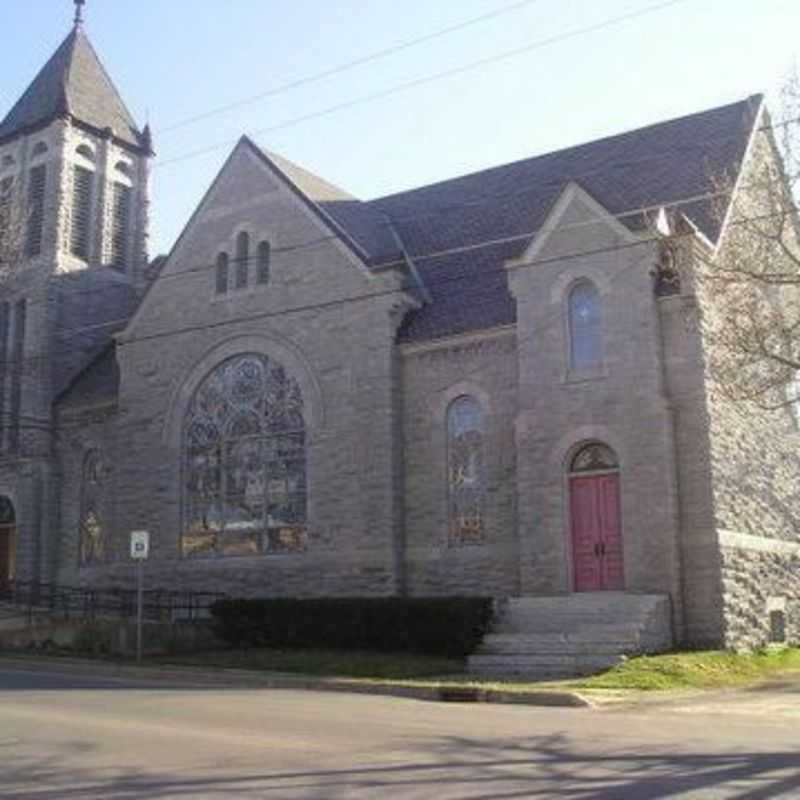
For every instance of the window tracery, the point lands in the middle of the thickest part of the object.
(594, 457)
(245, 462)
(466, 471)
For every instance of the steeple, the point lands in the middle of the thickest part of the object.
(79, 4)
(74, 84)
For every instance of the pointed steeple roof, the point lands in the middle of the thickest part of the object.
(73, 83)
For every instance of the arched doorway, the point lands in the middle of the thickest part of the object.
(595, 520)
(8, 542)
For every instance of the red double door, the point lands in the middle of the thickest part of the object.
(596, 533)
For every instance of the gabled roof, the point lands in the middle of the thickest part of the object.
(667, 164)
(663, 164)
(73, 83)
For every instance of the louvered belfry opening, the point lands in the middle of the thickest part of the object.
(120, 224)
(37, 183)
(81, 212)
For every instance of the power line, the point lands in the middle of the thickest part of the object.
(437, 76)
(430, 282)
(348, 65)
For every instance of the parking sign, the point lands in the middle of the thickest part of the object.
(140, 545)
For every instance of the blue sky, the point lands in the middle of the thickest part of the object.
(176, 59)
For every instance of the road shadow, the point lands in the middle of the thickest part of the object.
(453, 768)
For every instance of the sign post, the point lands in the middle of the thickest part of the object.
(140, 549)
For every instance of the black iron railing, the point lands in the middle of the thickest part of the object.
(73, 602)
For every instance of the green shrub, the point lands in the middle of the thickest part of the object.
(439, 626)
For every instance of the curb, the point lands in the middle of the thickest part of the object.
(193, 677)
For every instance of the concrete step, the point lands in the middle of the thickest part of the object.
(553, 643)
(572, 634)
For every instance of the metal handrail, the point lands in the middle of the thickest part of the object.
(161, 605)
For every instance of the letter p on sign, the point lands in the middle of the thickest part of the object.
(140, 545)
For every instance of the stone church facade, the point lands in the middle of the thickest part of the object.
(493, 385)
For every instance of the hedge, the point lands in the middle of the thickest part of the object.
(440, 626)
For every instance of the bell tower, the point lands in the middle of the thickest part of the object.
(74, 185)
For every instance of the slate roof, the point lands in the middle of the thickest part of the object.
(660, 164)
(89, 308)
(75, 83)
(663, 164)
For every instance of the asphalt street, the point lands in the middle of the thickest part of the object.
(65, 736)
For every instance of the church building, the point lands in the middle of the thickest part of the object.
(493, 385)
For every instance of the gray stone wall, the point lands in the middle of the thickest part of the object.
(483, 366)
(759, 580)
(622, 403)
(314, 319)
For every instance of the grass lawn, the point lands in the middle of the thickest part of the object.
(696, 670)
(379, 666)
(700, 670)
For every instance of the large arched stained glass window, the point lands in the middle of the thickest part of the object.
(585, 327)
(244, 446)
(466, 471)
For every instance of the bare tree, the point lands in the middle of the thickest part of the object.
(749, 288)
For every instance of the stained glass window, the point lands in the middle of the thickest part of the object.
(92, 531)
(585, 327)
(594, 457)
(245, 462)
(466, 471)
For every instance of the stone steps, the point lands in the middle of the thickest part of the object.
(569, 635)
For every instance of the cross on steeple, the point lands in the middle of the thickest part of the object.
(79, 4)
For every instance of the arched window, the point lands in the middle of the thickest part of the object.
(82, 196)
(242, 259)
(244, 462)
(594, 457)
(93, 548)
(466, 471)
(39, 149)
(222, 273)
(85, 151)
(264, 254)
(7, 162)
(585, 327)
(124, 168)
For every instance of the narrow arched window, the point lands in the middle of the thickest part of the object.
(585, 327)
(40, 149)
(92, 530)
(222, 273)
(242, 259)
(466, 473)
(82, 194)
(264, 255)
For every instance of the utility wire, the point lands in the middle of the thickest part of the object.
(536, 330)
(437, 76)
(346, 66)
(431, 282)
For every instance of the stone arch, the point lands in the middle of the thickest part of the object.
(272, 346)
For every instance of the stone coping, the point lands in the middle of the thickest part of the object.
(746, 541)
